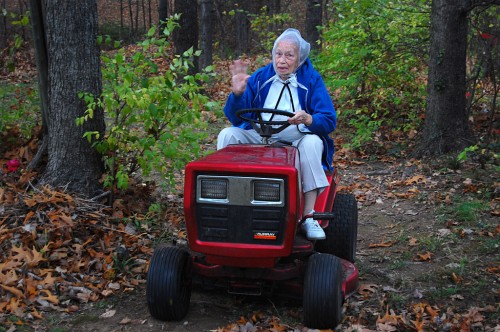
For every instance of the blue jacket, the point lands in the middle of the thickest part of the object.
(313, 96)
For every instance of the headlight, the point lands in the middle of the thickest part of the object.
(266, 191)
(214, 188)
(240, 190)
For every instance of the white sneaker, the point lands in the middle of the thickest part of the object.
(313, 230)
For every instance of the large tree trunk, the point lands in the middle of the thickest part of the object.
(206, 13)
(274, 8)
(187, 35)
(314, 15)
(74, 66)
(242, 27)
(446, 126)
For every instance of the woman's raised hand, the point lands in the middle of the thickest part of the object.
(240, 76)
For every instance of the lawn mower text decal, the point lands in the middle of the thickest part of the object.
(264, 236)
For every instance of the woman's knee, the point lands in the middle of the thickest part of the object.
(224, 138)
(311, 143)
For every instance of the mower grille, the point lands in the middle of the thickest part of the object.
(240, 224)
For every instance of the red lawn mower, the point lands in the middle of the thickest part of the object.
(243, 208)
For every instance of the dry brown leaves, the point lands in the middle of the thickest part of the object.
(260, 322)
(423, 317)
(58, 251)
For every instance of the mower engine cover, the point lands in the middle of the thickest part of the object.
(242, 204)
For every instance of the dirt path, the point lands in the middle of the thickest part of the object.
(417, 264)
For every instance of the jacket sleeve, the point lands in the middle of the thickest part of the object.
(320, 106)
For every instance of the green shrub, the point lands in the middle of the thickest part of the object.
(153, 112)
(19, 109)
(267, 27)
(372, 59)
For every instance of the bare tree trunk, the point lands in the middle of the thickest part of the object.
(242, 28)
(162, 11)
(314, 14)
(206, 13)
(223, 31)
(37, 12)
(131, 16)
(446, 126)
(137, 8)
(3, 28)
(187, 35)
(121, 20)
(144, 22)
(22, 10)
(150, 18)
(274, 9)
(74, 67)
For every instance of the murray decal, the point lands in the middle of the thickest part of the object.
(264, 235)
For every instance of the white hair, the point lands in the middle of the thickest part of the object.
(293, 36)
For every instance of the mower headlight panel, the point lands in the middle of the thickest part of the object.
(267, 191)
(236, 190)
(214, 188)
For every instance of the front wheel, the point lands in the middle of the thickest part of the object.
(168, 289)
(323, 298)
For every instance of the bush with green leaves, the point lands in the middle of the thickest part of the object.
(153, 112)
(267, 27)
(15, 41)
(19, 109)
(373, 58)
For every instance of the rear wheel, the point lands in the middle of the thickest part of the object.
(168, 290)
(342, 231)
(323, 292)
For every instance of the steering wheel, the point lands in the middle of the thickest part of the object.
(265, 128)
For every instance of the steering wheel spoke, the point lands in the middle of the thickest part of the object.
(265, 128)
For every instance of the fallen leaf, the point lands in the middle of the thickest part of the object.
(108, 314)
(36, 314)
(358, 328)
(419, 324)
(416, 179)
(49, 297)
(15, 291)
(125, 321)
(433, 313)
(30, 257)
(424, 257)
(367, 289)
(456, 279)
(114, 286)
(382, 244)
(444, 232)
(417, 294)
(493, 269)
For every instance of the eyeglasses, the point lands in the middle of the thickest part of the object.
(288, 56)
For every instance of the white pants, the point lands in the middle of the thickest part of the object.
(310, 151)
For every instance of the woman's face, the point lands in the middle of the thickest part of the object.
(286, 59)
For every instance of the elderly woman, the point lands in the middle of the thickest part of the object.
(289, 83)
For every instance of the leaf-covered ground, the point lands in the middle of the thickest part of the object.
(72, 264)
(428, 245)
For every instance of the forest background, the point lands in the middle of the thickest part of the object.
(376, 58)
